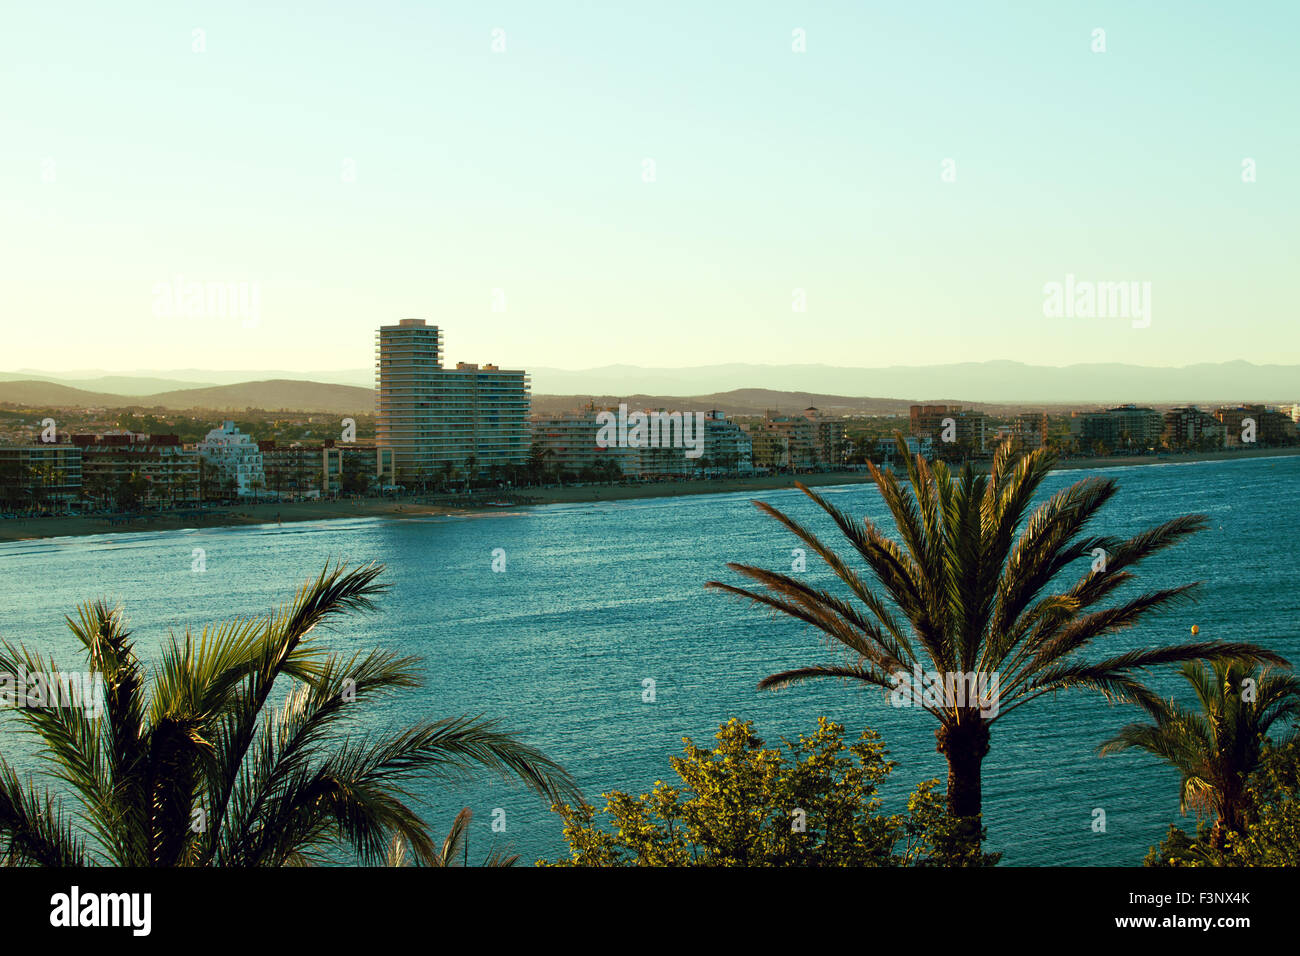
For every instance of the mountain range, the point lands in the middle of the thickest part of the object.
(273, 395)
(736, 389)
(974, 382)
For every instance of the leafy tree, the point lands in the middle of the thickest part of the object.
(971, 590)
(814, 802)
(194, 765)
(1217, 748)
(131, 490)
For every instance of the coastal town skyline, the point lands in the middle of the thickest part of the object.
(441, 423)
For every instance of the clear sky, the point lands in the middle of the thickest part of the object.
(365, 162)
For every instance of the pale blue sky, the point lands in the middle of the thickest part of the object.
(129, 159)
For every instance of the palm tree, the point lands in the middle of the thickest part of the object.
(193, 765)
(1216, 748)
(456, 844)
(971, 593)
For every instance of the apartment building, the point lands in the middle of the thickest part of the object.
(783, 441)
(567, 443)
(446, 421)
(234, 463)
(969, 432)
(727, 446)
(1125, 427)
(1187, 427)
(137, 468)
(1272, 427)
(41, 475)
(887, 448)
(1029, 429)
(829, 438)
(308, 471)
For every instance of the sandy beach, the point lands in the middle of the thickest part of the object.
(20, 529)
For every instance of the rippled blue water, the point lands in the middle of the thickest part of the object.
(598, 597)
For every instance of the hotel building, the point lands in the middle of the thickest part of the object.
(445, 421)
(1123, 427)
(1030, 430)
(308, 471)
(170, 471)
(567, 444)
(829, 438)
(1272, 427)
(235, 460)
(970, 431)
(36, 474)
(727, 446)
(1189, 427)
(783, 441)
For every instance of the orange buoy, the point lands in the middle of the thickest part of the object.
(1195, 630)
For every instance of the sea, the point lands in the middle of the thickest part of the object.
(586, 630)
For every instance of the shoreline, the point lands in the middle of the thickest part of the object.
(265, 513)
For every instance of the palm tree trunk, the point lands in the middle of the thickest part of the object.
(1230, 815)
(964, 743)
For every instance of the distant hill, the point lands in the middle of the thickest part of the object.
(975, 382)
(756, 401)
(984, 383)
(996, 387)
(152, 381)
(281, 394)
(272, 395)
(55, 395)
(109, 384)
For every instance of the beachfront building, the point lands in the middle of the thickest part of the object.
(1029, 429)
(1272, 427)
(887, 448)
(296, 470)
(783, 441)
(1125, 427)
(968, 430)
(233, 462)
(39, 476)
(130, 469)
(446, 422)
(829, 440)
(728, 447)
(1189, 428)
(566, 445)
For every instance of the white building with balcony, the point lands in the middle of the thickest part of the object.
(235, 458)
